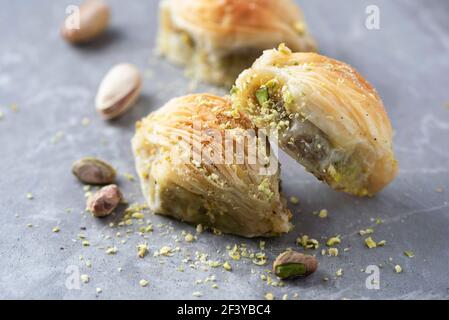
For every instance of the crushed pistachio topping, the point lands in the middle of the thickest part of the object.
(30, 196)
(287, 96)
(397, 268)
(98, 290)
(264, 188)
(56, 229)
(409, 253)
(197, 294)
(262, 95)
(284, 49)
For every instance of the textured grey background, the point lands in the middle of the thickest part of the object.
(54, 85)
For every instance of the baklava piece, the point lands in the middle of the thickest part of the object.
(328, 117)
(217, 39)
(194, 162)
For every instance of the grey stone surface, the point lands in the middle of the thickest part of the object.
(54, 84)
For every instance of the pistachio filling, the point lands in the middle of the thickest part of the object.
(271, 107)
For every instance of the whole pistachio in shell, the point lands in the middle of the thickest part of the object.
(118, 90)
(292, 264)
(93, 171)
(87, 23)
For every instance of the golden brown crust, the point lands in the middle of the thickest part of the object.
(336, 99)
(239, 23)
(233, 197)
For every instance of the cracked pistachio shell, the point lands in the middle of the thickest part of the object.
(93, 17)
(118, 90)
(93, 171)
(291, 264)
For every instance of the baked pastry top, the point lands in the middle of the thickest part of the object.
(188, 172)
(217, 39)
(329, 118)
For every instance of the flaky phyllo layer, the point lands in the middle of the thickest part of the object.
(196, 164)
(215, 40)
(328, 117)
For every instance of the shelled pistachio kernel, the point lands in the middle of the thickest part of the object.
(104, 201)
(292, 264)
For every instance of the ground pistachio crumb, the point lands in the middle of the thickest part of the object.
(269, 296)
(382, 243)
(85, 122)
(142, 250)
(339, 272)
(55, 229)
(333, 252)
(143, 283)
(333, 241)
(370, 243)
(189, 237)
(366, 231)
(86, 243)
(307, 243)
(98, 290)
(285, 297)
(165, 251)
(294, 200)
(111, 250)
(30, 196)
(398, 268)
(197, 294)
(84, 278)
(409, 253)
(323, 213)
(227, 266)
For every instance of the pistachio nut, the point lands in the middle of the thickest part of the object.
(93, 171)
(104, 201)
(292, 264)
(87, 23)
(118, 91)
